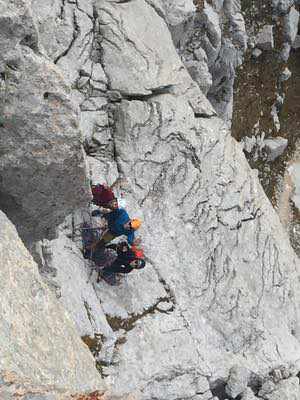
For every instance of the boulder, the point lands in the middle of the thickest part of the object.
(200, 74)
(287, 389)
(237, 382)
(285, 75)
(248, 395)
(275, 147)
(282, 7)
(264, 38)
(291, 21)
(256, 53)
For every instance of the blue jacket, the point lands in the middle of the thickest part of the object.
(115, 221)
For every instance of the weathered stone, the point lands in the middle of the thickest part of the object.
(220, 287)
(291, 21)
(162, 176)
(275, 147)
(265, 39)
(79, 298)
(127, 51)
(282, 6)
(178, 11)
(200, 73)
(38, 340)
(237, 382)
(287, 389)
(296, 43)
(256, 53)
(42, 169)
(294, 171)
(248, 395)
(285, 75)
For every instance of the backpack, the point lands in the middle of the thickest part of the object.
(89, 235)
(102, 195)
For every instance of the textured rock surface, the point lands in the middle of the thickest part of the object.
(287, 389)
(237, 382)
(221, 285)
(79, 298)
(42, 169)
(38, 339)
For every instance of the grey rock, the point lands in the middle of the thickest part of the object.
(282, 7)
(275, 147)
(179, 16)
(274, 113)
(287, 389)
(200, 74)
(294, 172)
(212, 22)
(205, 396)
(78, 297)
(145, 70)
(291, 21)
(248, 143)
(179, 387)
(158, 174)
(237, 382)
(285, 52)
(256, 53)
(248, 395)
(200, 55)
(202, 385)
(103, 170)
(296, 43)
(178, 11)
(221, 286)
(42, 165)
(285, 75)
(38, 340)
(265, 39)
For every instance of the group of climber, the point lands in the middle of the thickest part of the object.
(122, 257)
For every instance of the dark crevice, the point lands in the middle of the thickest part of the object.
(30, 41)
(154, 92)
(202, 115)
(122, 1)
(218, 389)
(76, 32)
(62, 9)
(117, 323)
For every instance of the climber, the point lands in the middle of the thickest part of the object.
(118, 223)
(126, 261)
(103, 196)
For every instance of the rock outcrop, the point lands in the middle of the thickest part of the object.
(42, 168)
(38, 339)
(215, 313)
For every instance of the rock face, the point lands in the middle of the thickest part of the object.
(38, 339)
(217, 307)
(42, 168)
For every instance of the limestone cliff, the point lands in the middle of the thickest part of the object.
(149, 83)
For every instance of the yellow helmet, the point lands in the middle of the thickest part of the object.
(135, 223)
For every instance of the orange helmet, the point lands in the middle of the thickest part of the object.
(135, 223)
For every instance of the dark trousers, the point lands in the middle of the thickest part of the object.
(116, 268)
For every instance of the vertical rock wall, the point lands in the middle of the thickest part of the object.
(42, 167)
(216, 310)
